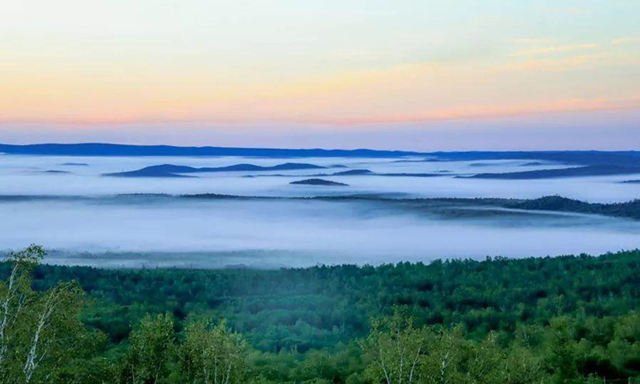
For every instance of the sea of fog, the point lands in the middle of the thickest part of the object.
(82, 217)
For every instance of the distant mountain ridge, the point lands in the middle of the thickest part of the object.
(621, 158)
(106, 149)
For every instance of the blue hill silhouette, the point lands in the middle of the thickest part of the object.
(319, 182)
(170, 170)
(590, 170)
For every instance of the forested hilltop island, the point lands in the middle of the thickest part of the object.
(570, 319)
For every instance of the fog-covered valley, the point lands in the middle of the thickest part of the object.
(94, 211)
(84, 176)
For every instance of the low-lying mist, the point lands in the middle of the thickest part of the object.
(27, 175)
(267, 232)
(84, 217)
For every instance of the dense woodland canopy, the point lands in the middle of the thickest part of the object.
(570, 319)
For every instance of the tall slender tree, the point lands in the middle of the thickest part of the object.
(212, 355)
(39, 331)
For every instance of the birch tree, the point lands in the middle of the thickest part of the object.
(39, 331)
(399, 353)
(446, 353)
(55, 333)
(15, 294)
(151, 348)
(212, 355)
(396, 350)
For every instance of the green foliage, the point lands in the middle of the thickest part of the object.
(400, 353)
(568, 319)
(396, 350)
(40, 332)
(150, 351)
(212, 355)
(318, 308)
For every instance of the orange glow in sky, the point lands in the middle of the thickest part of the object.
(332, 63)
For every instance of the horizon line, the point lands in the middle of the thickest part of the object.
(325, 149)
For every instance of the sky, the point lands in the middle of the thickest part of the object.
(404, 74)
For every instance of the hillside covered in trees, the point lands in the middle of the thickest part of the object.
(568, 319)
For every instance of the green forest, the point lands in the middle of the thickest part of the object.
(570, 319)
